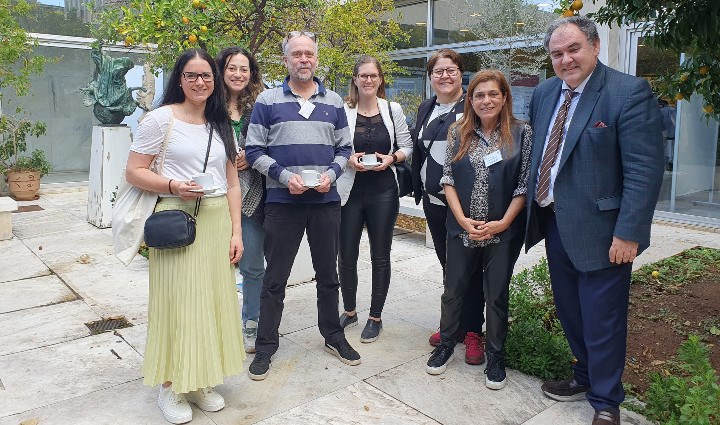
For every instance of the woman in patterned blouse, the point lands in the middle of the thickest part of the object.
(485, 179)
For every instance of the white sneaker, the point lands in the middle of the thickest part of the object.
(206, 399)
(174, 407)
(250, 335)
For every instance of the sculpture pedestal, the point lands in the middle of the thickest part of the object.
(7, 206)
(110, 148)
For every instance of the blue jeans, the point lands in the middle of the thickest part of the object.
(252, 267)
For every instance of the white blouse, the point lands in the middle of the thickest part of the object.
(186, 148)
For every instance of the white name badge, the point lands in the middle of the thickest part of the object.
(492, 158)
(307, 109)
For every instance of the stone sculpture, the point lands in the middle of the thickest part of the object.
(108, 94)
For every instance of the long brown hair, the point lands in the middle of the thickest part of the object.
(354, 94)
(255, 86)
(465, 127)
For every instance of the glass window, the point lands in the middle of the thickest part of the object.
(408, 89)
(412, 17)
(60, 17)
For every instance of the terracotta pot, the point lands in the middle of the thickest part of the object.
(24, 185)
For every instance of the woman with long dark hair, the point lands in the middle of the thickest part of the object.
(194, 338)
(485, 178)
(369, 189)
(243, 83)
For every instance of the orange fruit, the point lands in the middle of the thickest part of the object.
(568, 13)
(655, 274)
(703, 70)
(709, 109)
(192, 38)
(203, 28)
(185, 20)
(679, 96)
(196, 4)
(576, 5)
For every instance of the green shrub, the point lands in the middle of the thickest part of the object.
(536, 343)
(689, 392)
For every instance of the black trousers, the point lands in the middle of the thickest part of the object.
(472, 318)
(378, 209)
(489, 268)
(284, 226)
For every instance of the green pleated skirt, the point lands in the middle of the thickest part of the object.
(194, 336)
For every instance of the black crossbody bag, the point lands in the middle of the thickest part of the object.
(174, 228)
(402, 171)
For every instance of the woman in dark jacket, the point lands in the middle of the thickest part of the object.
(485, 179)
(435, 115)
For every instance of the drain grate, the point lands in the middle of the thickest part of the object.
(108, 324)
(28, 208)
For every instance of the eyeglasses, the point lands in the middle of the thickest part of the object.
(372, 77)
(191, 77)
(492, 95)
(293, 34)
(451, 72)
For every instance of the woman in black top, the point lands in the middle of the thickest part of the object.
(485, 179)
(369, 192)
(435, 115)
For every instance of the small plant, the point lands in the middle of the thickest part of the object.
(536, 343)
(14, 131)
(687, 393)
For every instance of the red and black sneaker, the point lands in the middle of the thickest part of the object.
(474, 350)
(435, 338)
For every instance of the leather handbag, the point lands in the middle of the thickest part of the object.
(173, 228)
(402, 170)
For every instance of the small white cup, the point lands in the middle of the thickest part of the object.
(369, 160)
(203, 179)
(310, 178)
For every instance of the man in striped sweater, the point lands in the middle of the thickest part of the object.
(300, 126)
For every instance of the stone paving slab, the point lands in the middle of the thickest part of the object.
(131, 403)
(136, 336)
(38, 327)
(421, 309)
(60, 372)
(459, 395)
(33, 292)
(48, 222)
(359, 403)
(399, 343)
(18, 262)
(296, 377)
(579, 412)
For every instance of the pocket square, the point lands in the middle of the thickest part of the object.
(599, 124)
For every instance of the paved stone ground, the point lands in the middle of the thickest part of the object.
(54, 371)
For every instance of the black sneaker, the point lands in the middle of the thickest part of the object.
(371, 332)
(441, 356)
(566, 390)
(343, 351)
(260, 366)
(348, 321)
(495, 372)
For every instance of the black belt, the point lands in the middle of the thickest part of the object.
(549, 207)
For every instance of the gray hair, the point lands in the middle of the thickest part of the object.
(587, 26)
(286, 42)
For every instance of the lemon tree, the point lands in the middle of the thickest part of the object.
(683, 26)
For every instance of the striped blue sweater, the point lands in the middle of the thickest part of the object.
(281, 142)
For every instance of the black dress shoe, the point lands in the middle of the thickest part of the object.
(565, 390)
(606, 417)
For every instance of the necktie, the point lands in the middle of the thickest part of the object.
(552, 147)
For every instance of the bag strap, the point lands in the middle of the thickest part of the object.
(395, 145)
(207, 154)
(159, 161)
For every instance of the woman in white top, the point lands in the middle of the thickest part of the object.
(194, 335)
(369, 192)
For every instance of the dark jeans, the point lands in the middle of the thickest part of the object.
(472, 318)
(378, 209)
(593, 310)
(489, 268)
(284, 226)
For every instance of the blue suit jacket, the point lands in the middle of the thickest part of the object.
(609, 177)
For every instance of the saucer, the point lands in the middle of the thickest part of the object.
(310, 186)
(205, 190)
(371, 165)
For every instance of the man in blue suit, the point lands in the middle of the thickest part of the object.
(597, 165)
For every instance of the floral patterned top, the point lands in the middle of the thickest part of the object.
(479, 148)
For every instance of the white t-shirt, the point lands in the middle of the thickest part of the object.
(186, 148)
